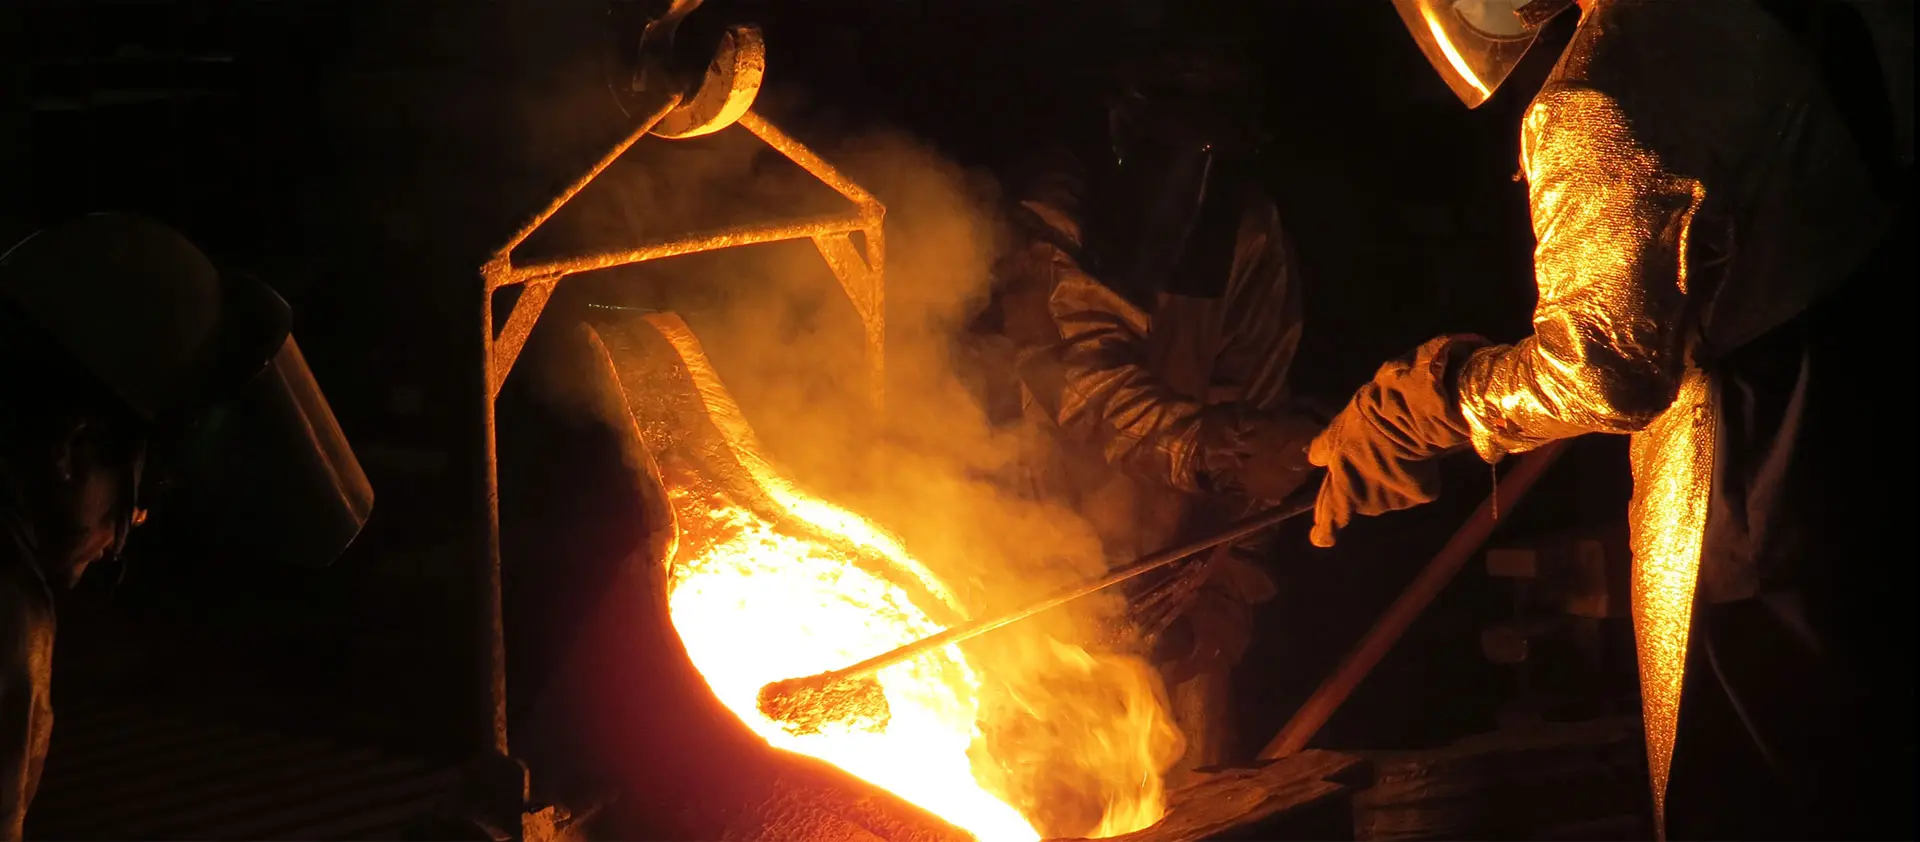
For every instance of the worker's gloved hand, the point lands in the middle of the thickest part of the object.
(1260, 455)
(1377, 451)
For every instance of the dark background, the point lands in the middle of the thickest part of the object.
(363, 157)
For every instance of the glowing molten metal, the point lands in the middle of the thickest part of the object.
(822, 611)
(768, 583)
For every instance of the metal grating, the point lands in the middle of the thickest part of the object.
(128, 773)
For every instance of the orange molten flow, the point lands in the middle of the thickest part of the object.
(759, 606)
(777, 584)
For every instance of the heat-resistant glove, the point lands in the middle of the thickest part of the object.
(1377, 451)
(1262, 455)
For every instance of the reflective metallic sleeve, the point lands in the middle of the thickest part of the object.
(1612, 226)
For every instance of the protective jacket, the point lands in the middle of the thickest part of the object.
(1149, 400)
(1693, 188)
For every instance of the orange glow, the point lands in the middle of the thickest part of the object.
(1454, 58)
(1673, 461)
(767, 582)
(823, 611)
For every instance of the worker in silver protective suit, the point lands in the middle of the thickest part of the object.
(1152, 309)
(128, 360)
(1717, 200)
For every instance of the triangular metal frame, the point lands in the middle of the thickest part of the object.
(861, 271)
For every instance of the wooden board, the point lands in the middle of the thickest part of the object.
(1584, 780)
(1305, 796)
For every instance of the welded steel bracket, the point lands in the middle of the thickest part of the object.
(663, 105)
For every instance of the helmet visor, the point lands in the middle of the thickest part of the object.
(1475, 44)
(268, 474)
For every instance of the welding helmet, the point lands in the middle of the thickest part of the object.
(1475, 44)
(232, 425)
(1182, 136)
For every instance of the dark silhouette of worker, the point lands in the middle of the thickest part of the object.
(127, 358)
(1150, 311)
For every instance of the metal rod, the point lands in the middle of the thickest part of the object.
(863, 288)
(737, 235)
(798, 153)
(513, 336)
(1419, 593)
(490, 721)
(640, 129)
(1301, 503)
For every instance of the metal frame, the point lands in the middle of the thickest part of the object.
(861, 273)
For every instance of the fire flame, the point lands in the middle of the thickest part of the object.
(816, 608)
(780, 584)
(821, 610)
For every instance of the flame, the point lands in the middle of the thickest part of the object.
(767, 582)
(815, 609)
(756, 603)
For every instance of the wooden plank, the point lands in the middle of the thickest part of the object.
(1543, 781)
(1304, 796)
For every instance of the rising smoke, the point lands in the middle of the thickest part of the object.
(1063, 720)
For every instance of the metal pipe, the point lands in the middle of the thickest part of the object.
(1419, 593)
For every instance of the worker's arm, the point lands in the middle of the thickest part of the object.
(1092, 374)
(1607, 351)
(26, 671)
(1608, 347)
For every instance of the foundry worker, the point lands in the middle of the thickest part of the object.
(1720, 208)
(1153, 309)
(123, 353)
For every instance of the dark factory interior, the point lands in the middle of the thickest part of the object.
(493, 656)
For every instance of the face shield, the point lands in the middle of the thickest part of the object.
(262, 470)
(221, 413)
(1168, 212)
(1475, 44)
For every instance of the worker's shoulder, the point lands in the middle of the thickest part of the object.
(1260, 216)
(1694, 82)
(1645, 53)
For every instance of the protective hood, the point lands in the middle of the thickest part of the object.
(242, 448)
(1475, 44)
(1167, 210)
